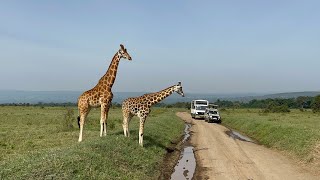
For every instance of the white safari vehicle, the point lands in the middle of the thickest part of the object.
(198, 108)
(212, 115)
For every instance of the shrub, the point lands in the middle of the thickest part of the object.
(68, 119)
(273, 108)
(316, 104)
(223, 109)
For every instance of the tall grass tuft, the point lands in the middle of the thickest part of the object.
(68, 119)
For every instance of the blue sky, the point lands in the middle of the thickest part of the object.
(211, 46)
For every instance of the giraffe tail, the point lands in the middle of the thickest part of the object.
(78, 121)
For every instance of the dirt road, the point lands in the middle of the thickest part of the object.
(222, 157)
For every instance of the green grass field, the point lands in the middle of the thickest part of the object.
(35, 143)
(296, 133)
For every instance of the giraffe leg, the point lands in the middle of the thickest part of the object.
(84, 110)
(102, 120)
(127, 129)
(125, 126)
(103, 127)
(82, 119)
(126, 121)
(106, 119)
(142, 121)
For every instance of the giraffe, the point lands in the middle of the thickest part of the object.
(141, 107)
(101, 95)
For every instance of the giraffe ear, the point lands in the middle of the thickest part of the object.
(121, 46)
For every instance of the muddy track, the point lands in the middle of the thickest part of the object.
(220, 156)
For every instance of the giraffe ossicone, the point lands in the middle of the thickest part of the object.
(141, 107)
(101, 95)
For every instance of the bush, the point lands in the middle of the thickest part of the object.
(316, 104)
(223, 110)
(68, 119)
(273, 108)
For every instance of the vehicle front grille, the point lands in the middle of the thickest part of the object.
(200, 113)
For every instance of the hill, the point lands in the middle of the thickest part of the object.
(33, 97)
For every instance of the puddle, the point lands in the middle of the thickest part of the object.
(186, 165)
(236, 135)
(186, 133)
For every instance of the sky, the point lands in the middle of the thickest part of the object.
(226, 46)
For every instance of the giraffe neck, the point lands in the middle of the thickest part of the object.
(159, 96)
(108, 79)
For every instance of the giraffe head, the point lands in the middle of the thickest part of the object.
(123, 53)
(178, 89)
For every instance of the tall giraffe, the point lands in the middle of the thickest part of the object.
(141, 107)
(101, 94)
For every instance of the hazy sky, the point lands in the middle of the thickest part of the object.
(211, 46)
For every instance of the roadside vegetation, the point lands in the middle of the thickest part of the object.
(41, 143)
(297, 133)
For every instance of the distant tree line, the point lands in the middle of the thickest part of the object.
(275, 105)
(40, 104)
(299, 102)
(268, 105)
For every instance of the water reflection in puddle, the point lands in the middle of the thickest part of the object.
(186, 165)
(236, 135)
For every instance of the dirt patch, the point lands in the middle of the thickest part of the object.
(200, 172)
(220, 156)
(179, 161)
(316, 156)
(171, 158)
(316, 152)
(236, 135)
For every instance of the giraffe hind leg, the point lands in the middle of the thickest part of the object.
(78, 121)
(126, 121)
(84, 110)
(124, 125)
(81, 124)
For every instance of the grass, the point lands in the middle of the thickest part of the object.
(297, 133)
(40, 143)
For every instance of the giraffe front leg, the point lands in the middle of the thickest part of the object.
(142, 121)
(81, 127)
(102, 119)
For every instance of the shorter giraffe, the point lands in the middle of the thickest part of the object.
(141, 107)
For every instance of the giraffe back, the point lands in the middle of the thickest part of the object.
(138, 106)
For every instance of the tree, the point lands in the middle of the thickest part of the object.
(301, 101)
(316, 104)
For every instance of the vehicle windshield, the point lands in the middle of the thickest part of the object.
(213, 112)
(201, 107)
(202, 102)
